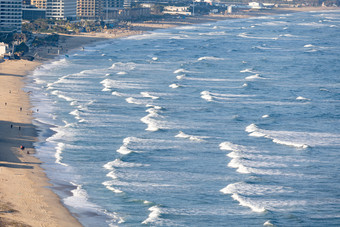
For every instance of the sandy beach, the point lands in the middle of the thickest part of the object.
(25, 196)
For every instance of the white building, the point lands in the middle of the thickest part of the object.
(61, 9)
(10, 15)
(177, 10)
(255, 5)
(3, 49)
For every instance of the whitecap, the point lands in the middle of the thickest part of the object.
(180, 77)
(248, 203)
(268, 223)
(153, 216)
(250, 70)
(206, 95)
(108, 185)
(79, 198)
(290, 138)
(59, 149)
(123, 66)
(301, 98)
(209, 58)
(134, 101)
(254, 77)
(180, 71)
(116, 93)
(124, 150)
(174, 85)
(244, 188)
(190, 137)
(148, 95)
(119, 163)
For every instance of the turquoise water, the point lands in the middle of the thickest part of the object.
(233, 123)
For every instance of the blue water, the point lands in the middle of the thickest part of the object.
(233, 123)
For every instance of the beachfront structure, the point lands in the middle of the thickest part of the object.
(31, 12)
(118, 4)
(61, 9)
(90, 9)
(177, 10)
(42, 4)
(3, 49)
(128, 14)
(26, 2)
(255, 5)
(10, 16)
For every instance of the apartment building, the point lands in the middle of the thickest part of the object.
(118, 4)
(42, 4)
(61, 9)
(10, 15)
(90, 9)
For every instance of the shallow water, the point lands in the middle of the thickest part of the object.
(234, 123)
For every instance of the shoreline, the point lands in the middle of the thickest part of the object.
(21, 173)
(26, 197)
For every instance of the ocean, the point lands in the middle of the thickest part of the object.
(231, 123)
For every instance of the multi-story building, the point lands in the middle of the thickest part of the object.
(10, 15)
(26, 2)
(118, 4)
(42, 4)
(90, 9)
(61, 9)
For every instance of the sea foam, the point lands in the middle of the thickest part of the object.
(190, 137)
(154, 215)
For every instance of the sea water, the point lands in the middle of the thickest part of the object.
(233, 123)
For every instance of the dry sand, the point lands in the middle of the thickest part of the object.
(25, 199)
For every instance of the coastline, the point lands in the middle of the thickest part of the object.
(26, 199)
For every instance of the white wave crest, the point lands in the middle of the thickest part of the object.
(206, 95)
(180, 77)
(153, 216)
(250, 70)
(254, 77)
(268, 223)
(115, 84)
(58, 93)
(289, 138)
(59, 150)
(135, 101)
(210, 58)
(123, 66)
(254, 189)
(190, 137)
(148, 95)
(108, 185)
(301, 98)
(181, 71)
(174, 85)
(119, 163)
(246, 202)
